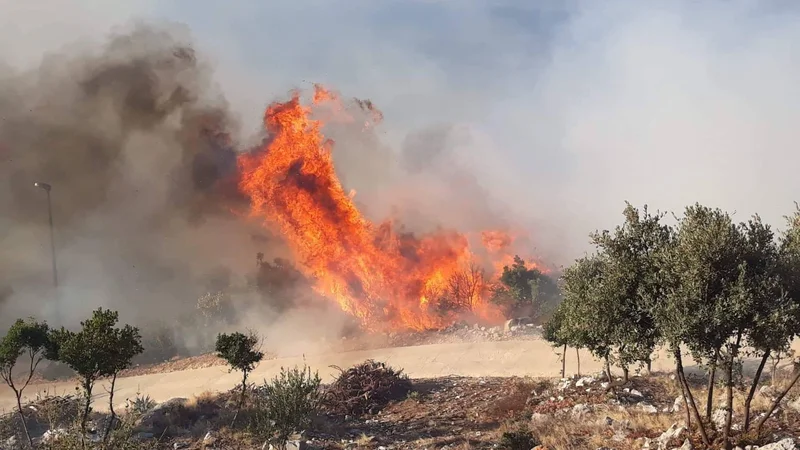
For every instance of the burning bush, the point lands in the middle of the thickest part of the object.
(366, 388)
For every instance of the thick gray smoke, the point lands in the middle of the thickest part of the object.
(137, 146)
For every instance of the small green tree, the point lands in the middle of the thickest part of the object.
(553, 332)
(128, 342)
(24, 337)
(583, 320)
(526, 291)
(97, 350)
(240, 351)
(631, 282)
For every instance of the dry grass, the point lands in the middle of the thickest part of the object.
(592, 430)
(512, 404)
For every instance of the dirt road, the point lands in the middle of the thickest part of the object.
(506, 358)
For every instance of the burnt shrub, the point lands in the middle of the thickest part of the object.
(366, 388)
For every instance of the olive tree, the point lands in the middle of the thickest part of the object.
(631, 282)
(607, 296)
(554, 333)
(705, 306)
(583, 321)
(26, 337)
(97, 350)
(524, 290)
(240, 352)
(779, 322)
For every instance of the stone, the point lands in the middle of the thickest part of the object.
(673, 432)
(581, 409)
(794, 404)
(648, 408)
(584, 381)
(687, 445)
(53, 435)
(209, 439)
(677, 405)
(635, 393)
(516, 322)
(783, 444)
(718, 418)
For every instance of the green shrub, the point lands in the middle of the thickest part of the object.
(287, 404)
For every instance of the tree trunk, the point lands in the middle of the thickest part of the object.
(578, 358)
(752, 392)
(22, 416)
(734, 351)
(691, 404)
(111, 408)
(649, 366)
(564, 362)
(625, 374)
(87, 388)
(241, 399)
(685, 400)
(608, 372)
(776, 403)
(712, 378)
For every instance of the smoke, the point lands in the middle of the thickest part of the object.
(138, 145)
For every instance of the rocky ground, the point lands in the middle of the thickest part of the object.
(447, 413)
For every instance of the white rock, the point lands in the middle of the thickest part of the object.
(564, 384)
(677, 405)
(687, 445)
(718, 418)
(53, 435)
(674, 432)
(794, 404)
(584, 381)
(648, 408)
(581, 409)
(783, 444)
(635, 393)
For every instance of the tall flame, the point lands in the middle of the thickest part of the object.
(385, 277)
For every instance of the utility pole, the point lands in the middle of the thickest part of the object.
(47, 188)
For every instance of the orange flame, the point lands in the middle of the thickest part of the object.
(387, 278)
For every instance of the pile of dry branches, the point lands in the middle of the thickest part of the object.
(366, 388)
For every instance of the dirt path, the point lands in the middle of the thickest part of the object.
(498, 359)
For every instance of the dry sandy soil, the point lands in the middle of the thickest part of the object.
(524, 358)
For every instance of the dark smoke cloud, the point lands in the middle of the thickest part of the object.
(135, 140)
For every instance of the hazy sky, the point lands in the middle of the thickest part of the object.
(573, 107)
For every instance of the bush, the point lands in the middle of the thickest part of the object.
(518, 440)
(287, 404)
(366, 388)
(159, 344)
(240, 351)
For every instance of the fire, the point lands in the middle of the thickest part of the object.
(388, 278)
